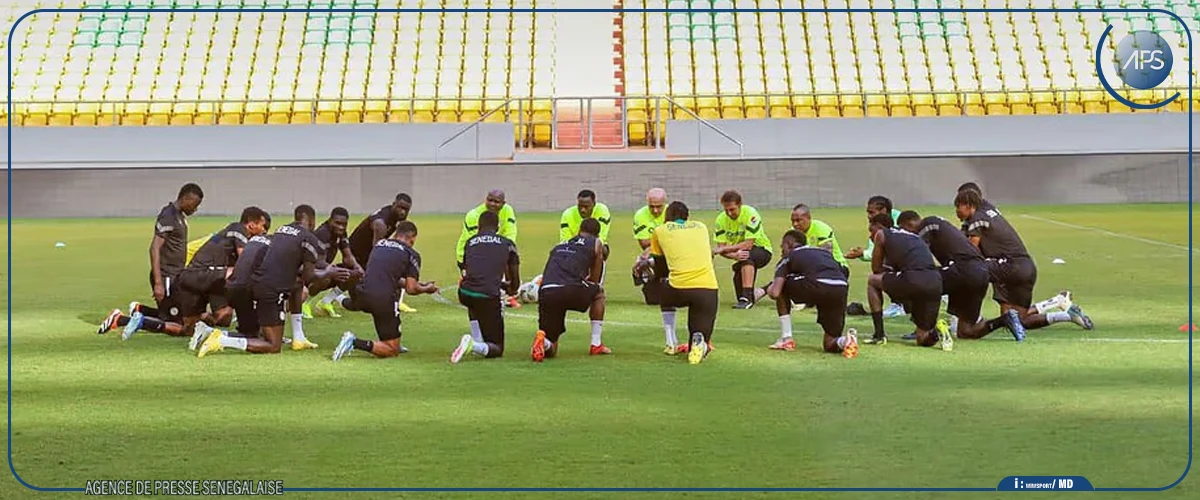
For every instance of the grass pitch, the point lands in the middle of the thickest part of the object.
(1110, 404)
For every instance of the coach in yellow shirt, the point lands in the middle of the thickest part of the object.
(682, 252)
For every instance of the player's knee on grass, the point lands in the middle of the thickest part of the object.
(926, 338)
(386, 348)
(831, 344)
(274, 339)
(223, 317)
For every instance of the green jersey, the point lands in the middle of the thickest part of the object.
(644, 223)
(508, 226)
(866, 256)
(571, 219)
(820, 234)
(748, 225)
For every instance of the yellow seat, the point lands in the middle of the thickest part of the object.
(948, 104)
(256, 113)
(755, 106)
(423, 111)
(230, 114)
(375, 111)
(804, 106)
(107, 114)
(541, 135)
(160, 114)
(327, 112)
(135, 113)
(1071, 102)
(86, 114)
(1019, 103)
(876, 106)
(302, 113)
(61, 114)
(853, 106)
(900, 105)
(279, 113)
(183, 113)
(1146, 96)
(973, 105)
(1044, 103)
(352, 112)
(399, 111)
(709, 114)
(996, 103)
(1117, 107)
(1093, 102)
(470, 110)
(206, 113)
(828, 106)
(924, 105)
(732, 108)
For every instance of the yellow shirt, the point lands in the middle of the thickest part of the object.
(194, 246)
(688, 253)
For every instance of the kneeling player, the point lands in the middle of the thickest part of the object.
(681, 253)
(393, 262)
(914, 281)
(570, 282)
(964, 274)
(202, 282)
(811, 275)
(487, 260)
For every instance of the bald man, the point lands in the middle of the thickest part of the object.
(645, 220)
(496, 203)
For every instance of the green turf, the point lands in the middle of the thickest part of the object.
(1110, 405)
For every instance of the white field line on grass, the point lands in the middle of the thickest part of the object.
(1108, 233)
(438, 297)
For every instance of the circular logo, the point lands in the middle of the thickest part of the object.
(1144, 60)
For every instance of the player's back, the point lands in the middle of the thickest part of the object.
(997, 238)
(221, 248)
(946, 241)
(813, 263)
(363, 235)
(906, 251)
(251, 259)
(391, 263)
(570, 262)
(688, 253)
(291, 246)
(486, 257)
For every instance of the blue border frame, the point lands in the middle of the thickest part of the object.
(1191, 84)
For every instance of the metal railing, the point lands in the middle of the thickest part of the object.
(659, 141)
(475, 126)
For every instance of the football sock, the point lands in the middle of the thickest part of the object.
(597, 330)
(364, 345)
(403, 293)
(1045, 306)
(996, 324)
(123, 320)
(785, 325)
(841, 341)
(668, 318)
(547, 343)
(331, 295)
(153, 324)
(146, 310)
(877, 319)
(480, 348)
(298, 328)
(238, 343)
(476, 334)
(1058, 317)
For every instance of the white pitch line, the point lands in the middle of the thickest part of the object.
(438, 297)
(1107, 232)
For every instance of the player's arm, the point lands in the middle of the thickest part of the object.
(775, 289)
(414, 287)
(156, 245)
(975, 231)
(564, 226)
(605, 220)
(877, 253)
(348, 258)
(513, 273)
(511, 223)
(597, 262)
(379, 231)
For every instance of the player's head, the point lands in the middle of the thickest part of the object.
(254, 219)
(489, 222)
(966, 202)
(677, 211)
(792, 240)
(401, 205)
(801, 218)
(266, 222)
(495, 200)
(910, 221)
(880, 222)
(590, 227)
(585, 201)
(305, 215)
(406, 232)
(656, 199)
(339, 220)
(731, 202)
(971, 186)
(878, 205)
(190, 196)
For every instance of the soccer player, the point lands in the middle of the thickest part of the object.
(811, 275)
(239, 292)
(332, 236)
(495, 203)
(681, 253)
(168, 256)
(202, 282)
(586, 207)
(875, 205)
(645, 220)
(964, 274)
(1013, 272)
(740, 237)
(394, 265)
(571, 282)
(490, 262)
(818, 234)
(376, 227)
(291, 254)
(912, 278)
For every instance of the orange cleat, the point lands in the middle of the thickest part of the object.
(109, 322)
(683, 348)
(538, 351)
(787, 344)
(850, 351)
(597, 350)
(513, 303)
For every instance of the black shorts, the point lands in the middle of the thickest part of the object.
(759, 258)
(270, 306)
(488, 312)
(919, 291)
(701, 304)
(828, 298)
(201, 289)
(846, 272)
(1013, 280)
(966, 283)
(169, 308)
(384, 309)
(555, 301)
(241, 298)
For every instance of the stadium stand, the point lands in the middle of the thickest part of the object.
(110, 67)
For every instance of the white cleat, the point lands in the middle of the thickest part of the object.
(200, 333)
(345, 345)
(465, 345)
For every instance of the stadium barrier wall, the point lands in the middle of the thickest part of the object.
(454, 188)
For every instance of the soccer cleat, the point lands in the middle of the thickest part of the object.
(911, 336)
(1013, 322)
(759, 293)
(671, 350)
(850, 350)
(894, 310)
(200, 333)
(878, 340)
(598, 350)
(743, 304)
(135, 323)
(303, 345)
(783, 344)
(856, 309)
(135, 306)
(1066, 301)
(403, 350)
(512, 303)
(799, 307)
(211, 344)
(327, 309)
(345, 345)
(943, 331)
(538, 350)
(465, 345)
(1079, 318)
(683, 349)
(954, 325)
(405, 308)
(306, 310)
(699, 349)
(109, 322)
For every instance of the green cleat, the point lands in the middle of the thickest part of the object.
(306, 310)
(328, 309)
